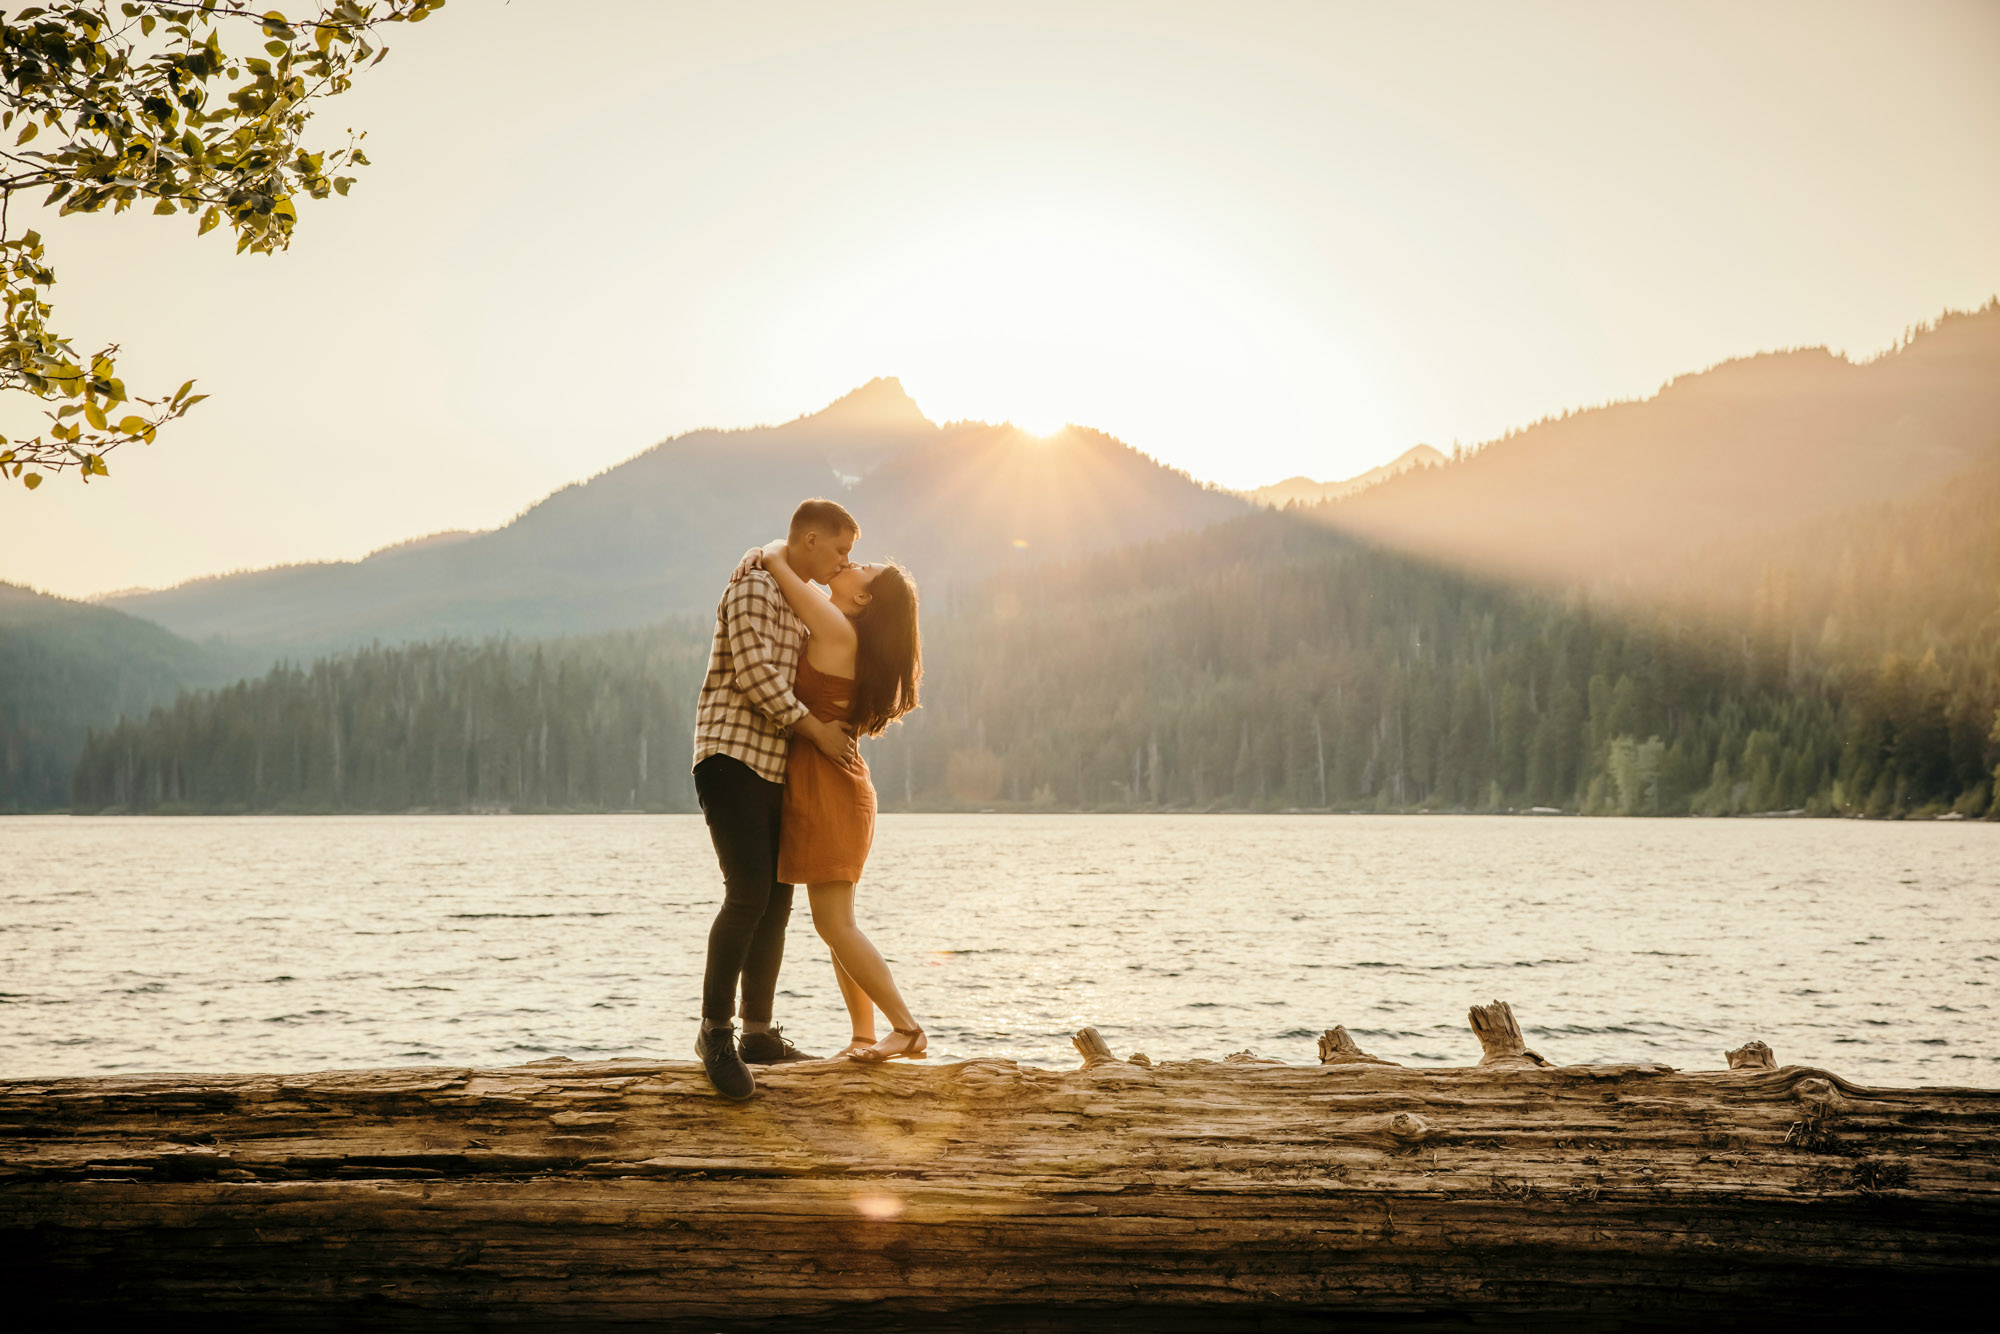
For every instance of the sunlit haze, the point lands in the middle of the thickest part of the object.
(1252, 241)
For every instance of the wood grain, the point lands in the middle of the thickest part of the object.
(985, 1194)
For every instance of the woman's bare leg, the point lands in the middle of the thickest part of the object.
(860, 1010)
(833, 918)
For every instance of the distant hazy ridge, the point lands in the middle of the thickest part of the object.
(1305, 491)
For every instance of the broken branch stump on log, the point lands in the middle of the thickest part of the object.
(1090, 1045)
(1751, 1056)
(1336, 1047)
(1500, 1037)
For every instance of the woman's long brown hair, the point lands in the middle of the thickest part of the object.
(888, 652)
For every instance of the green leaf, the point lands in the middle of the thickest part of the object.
(209, 221)
(28, 131)
(131, 425)
(95, 416)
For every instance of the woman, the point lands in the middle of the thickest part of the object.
(861, 665)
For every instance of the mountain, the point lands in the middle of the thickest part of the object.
(1305, 491)
(1618, 493)
(981, 499)
(1805, 553)
(66, 668)
(656, 535)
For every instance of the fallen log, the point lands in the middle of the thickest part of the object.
(985, 1194)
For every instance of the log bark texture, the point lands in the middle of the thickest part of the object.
(983, 1194)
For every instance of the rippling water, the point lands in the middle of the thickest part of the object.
(270, 943)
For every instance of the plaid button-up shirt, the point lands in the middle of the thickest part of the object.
(747, 708)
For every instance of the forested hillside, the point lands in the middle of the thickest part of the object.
(1271, 665)
(1893, 607)
(653, 536)
(1264, 664)
(66, 667)
(585, 723)
(1624, 491)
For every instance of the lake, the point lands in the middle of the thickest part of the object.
(270, 943)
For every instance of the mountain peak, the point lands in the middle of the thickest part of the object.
(881, 403)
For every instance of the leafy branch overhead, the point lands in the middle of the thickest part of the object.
(146, 106)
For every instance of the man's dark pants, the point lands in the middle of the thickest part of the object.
(748, 938)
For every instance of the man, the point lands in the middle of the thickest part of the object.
(743, 726)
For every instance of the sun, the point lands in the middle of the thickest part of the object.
(1107, 315)
(1041, 425)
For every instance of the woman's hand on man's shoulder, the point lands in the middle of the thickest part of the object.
(753, 559)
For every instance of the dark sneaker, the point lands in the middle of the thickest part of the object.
(771, 1047)
(717, 1049)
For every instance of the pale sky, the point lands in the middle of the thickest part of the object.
(1253, 240)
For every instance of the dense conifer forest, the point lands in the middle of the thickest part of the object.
(65, 667)
(1267, 663)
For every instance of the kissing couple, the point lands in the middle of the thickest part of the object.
(795, 676)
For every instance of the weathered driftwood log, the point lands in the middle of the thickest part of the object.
(984, 1194)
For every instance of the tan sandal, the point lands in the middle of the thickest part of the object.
(915, 1051)
(856, 1044)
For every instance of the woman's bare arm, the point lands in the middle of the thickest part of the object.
(821, 617)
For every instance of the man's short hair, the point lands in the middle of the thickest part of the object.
(825, 515)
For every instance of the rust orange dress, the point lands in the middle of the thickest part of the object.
(829, 810)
